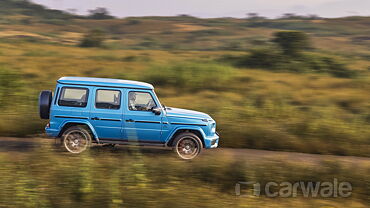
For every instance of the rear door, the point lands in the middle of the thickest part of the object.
(106, 112)
(141, 124)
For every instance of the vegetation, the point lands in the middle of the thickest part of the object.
(9, 82)
(93, 38)
(191, 76)
(290, 54)
(119, 177)
(27, 8)
(261, 109)
(292, 43)
(277, 96)
(99, 13)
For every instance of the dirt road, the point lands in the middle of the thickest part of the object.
(27, 145)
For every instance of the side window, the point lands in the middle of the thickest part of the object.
(108, 99)
(73, 97)
(140, 101)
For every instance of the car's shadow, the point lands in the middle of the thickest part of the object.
(129, 150)
(17, 145)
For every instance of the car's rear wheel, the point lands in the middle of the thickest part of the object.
(76, 139)
(187, 146)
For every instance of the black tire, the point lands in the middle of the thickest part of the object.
(187, 145)
(76, 139)
(45, 99)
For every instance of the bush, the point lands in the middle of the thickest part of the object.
(288, 55)
(262, 58)
(292, 42)
(325, 64)
(93, 38)
(337, 69)
(273, 59)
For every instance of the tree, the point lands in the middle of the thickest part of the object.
(93, 38)
(291, 16)
(254, 16)
(292, 42)
(72, 11)
(313, 17)
(100, 13)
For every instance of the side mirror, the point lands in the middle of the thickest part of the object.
(156, 111)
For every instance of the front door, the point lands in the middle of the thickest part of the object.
(107, 113)
(141, 124)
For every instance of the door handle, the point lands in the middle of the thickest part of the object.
(95, 118)
(129, 120)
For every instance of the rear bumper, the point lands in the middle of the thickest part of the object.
(212, 141)
(51, 132)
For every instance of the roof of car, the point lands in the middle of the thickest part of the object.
(91, 81)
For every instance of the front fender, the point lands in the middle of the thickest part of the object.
(196, 128)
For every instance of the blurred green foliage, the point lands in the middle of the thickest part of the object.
(274, 60)
(261, 96)
(292, 43)
(94, 38)
(25, 7)
(190, 76)
(259, 109)
(290, 54)
(9, 86)
(103, 177)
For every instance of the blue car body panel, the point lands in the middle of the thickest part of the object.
(123, 124)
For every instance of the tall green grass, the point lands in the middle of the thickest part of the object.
(191, 76)
(127, 178)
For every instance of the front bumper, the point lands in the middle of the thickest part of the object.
(212, 141)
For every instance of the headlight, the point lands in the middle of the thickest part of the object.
(213, 128)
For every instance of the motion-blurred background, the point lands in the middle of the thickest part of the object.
(295, 83)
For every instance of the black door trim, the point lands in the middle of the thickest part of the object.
(188, 124)
(108, 119)
(157, 122)
(71, 117)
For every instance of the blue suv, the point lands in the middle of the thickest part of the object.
(113, 111)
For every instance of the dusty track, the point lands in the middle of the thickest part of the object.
(28, 145)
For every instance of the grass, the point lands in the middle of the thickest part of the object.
(45, 177)
(191, 76)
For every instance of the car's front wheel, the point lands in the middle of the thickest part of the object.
(76, 139)
(187, 145)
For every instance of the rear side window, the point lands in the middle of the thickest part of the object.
(73, 97)
(108, 99)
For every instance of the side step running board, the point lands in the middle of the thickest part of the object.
(104, 141)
